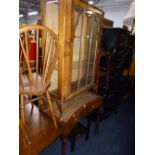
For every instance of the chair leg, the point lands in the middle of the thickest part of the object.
(31, 97)
(40, 104)
(51, 108)
(22, 108)
(64, 144)
(97, 122)
(22, 121)
(23, 130)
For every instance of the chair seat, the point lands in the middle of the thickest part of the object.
(78, 103)
(32, 89)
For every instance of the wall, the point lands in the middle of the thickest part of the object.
(116, 14)
(29, 20)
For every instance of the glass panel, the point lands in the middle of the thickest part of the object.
(51, 16)
(51, 21)
(86, 31)
(75, 63)
(91, 64)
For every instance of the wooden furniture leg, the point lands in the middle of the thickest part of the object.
(22, 115)
(64, 144)
(22, 127)
(73, 140)
(88, 127)
(40, 104)
(22, 120)
(97, 122)
(77, 131)
(73, 145)
(51, 108)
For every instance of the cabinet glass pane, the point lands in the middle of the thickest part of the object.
(51, 16)
(86, 31)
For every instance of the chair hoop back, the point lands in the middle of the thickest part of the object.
(38, 54)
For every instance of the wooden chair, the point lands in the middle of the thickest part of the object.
(32, 83)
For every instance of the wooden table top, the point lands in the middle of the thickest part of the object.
(40, 129)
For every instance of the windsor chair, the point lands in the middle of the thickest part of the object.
(32, 82)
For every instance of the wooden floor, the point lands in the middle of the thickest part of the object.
(41, 132)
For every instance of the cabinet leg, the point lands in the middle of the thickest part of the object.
(64, 144)
(72, 144)
(88, 127)
(97, 122)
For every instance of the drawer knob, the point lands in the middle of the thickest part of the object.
(84, 105)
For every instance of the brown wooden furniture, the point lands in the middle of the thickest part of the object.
(32, 83)
(78, 130)
(107, 23)
(41, 131)
(103, 78)
(79, 36)
(76, 108)
(102, 81)
(78, 26)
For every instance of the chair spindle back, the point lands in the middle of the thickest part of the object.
(38, 53)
